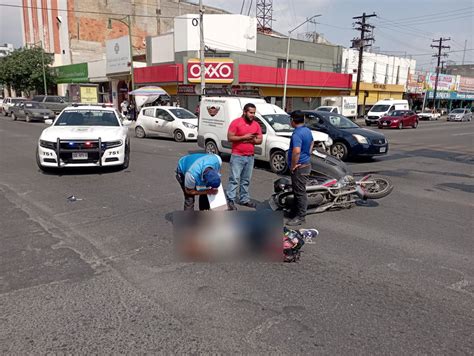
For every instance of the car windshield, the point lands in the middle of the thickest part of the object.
(324, 108)
(279, 122)
(33, 105)
(397, 113)
(457, 111)
(339, 121)
(87, 118)
(183, 114)
(380, 108)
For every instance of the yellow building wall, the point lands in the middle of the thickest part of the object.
(378, 92)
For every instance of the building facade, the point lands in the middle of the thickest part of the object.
(382, 76)
(6, 49)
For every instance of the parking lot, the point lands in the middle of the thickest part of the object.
(98, 275)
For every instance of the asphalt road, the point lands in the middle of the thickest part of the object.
(98, 275)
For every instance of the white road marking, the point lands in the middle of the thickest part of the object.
(463, 134)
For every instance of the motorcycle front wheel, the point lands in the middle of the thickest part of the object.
(376, 187)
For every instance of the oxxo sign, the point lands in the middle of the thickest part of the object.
(217, 70)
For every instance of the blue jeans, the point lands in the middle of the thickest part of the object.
(241, 168)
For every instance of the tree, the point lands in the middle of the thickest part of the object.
(23, 69)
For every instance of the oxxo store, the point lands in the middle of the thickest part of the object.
(224, 76)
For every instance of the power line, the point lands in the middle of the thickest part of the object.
(440, 48)
(432, 16)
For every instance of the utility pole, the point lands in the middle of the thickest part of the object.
(440, 47)
(464, 52)
(361, 43)
(201, 52)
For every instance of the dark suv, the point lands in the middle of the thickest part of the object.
(54, 103)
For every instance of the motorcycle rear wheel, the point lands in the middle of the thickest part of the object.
(377, 187)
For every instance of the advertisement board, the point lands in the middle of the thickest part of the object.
(73, 73)
(89, 94)
(118, 55)
(445, 82)
(218, 70)
(466, 85)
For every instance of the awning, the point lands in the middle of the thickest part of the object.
(149, 91)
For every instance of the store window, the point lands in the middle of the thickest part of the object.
(281, 63)
(301, 65)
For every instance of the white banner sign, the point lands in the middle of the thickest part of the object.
(118, 55)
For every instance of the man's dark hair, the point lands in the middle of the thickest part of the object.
(297, 117)
(248, 106)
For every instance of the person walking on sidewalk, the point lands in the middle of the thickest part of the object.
(244, 133)
(299, 162)
(199, 174)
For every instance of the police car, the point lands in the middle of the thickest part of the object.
(84, 136)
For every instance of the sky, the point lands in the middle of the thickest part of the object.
(402, 27)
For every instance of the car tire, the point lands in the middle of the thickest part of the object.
(140, 132)
(179, 136)
(211, 148)
(415, 124)
(400, 126)
(339, 150)
(278, 163)
(126, 160)
(14, 117)
(27, 118)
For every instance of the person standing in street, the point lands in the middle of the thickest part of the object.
(198, 174)
(124, 107)
(299, 162)
(244, 133)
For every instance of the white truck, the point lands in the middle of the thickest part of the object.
(216, 114)
(343, 105)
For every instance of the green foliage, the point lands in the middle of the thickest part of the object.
(23, 69)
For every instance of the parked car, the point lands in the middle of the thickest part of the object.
(429, 114)
(30, 111)
(349, 139)
(86, 136)
(460, 115)
(399, 119)
(54, 103)
(167, 121)
(8, 102)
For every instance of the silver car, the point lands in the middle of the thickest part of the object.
(460, 115)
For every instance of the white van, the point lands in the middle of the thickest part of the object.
(382, 108)
(216, 114)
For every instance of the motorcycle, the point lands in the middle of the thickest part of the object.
(331, 185)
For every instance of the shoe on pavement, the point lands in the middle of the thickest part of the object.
(231, 206)
(249, 204)
(295, 221)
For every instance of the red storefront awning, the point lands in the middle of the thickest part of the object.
(167, 73)
(253, 74)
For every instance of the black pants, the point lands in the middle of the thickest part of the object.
(299, 179)
(189, 199)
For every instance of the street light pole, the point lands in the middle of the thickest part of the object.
(127, 23)
(287, 59)
(201, 51)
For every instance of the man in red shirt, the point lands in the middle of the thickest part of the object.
(244, 133)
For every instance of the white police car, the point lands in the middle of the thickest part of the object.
(84, 136)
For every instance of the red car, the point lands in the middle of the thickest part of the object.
(399, 119)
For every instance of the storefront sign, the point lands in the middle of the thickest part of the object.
(74, 73)
(118, 55)
(415, 83)
(380, 86)
(186, 89)
(89, 95)
(224, 90)
(466, 84)
(248, 92)
(217, 70)
(451, 95)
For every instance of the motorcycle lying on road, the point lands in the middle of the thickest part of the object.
(331, 185)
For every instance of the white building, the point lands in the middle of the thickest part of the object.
(6, 49)
(378, 68)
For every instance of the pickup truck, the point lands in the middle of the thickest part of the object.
(54, 103)
(429, 115)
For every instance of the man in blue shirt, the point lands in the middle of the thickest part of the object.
(198, 174)
(299, 162)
